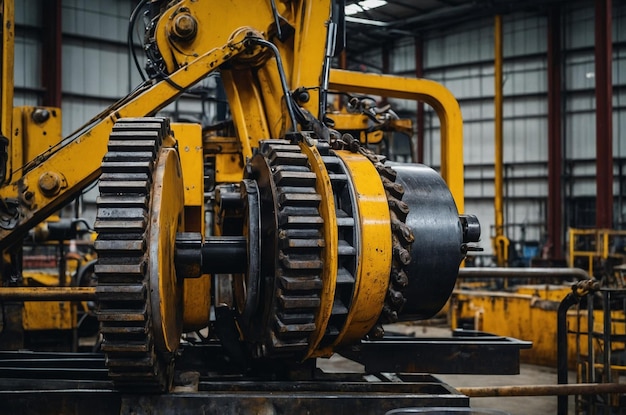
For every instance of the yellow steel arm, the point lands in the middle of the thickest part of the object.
(194, 38)
(298, 30)
(58, 175)
(432, 93)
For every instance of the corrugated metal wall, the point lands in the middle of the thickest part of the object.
(96, 67)
(97, 70)
(95, 59)
(462, 59)
(28, 51)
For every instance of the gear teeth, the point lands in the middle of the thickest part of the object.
(345, 212)
(124, 309)
(300, 242)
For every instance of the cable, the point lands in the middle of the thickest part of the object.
(131, 25)
(283, 79)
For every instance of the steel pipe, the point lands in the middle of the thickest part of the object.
(47, 294)
(486, 272)
(542, 390)
(570, 300)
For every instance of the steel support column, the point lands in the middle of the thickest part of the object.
(51, 59)
(604, 115)
(500, 242)
(386, 69)
(418, 155)
(555, 142)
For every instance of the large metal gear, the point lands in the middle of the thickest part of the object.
(292, 241)
(139, 213)
(319, 253)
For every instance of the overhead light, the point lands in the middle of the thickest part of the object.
(364, 5)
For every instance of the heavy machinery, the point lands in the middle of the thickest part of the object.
(316, 242)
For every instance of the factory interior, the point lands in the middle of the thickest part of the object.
(375, 207)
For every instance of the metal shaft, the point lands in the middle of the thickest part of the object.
(217, 255)
(225, 254)
(487, 272)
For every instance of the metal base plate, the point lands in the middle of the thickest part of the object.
(77, 383)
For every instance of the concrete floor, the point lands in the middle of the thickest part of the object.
(529, 375)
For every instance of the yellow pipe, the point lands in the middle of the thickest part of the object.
(432, 93)
(501, 243)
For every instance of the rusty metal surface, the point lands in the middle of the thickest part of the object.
(76, 383)
(370, 400)
(376, 400)
(543, 390)
(47, 293)
(48, 383)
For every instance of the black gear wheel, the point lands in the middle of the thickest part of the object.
(123, 294)
(292, 243)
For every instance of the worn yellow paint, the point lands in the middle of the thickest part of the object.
(529, 313)
(189, 137)
(331, 244)
(79, 160)
(246, 108)
(6, 82)
(48, 315)
(228, 168)
(374, 248)
(166, 219)
(196, 291)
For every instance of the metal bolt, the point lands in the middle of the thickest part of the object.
(49, 183)
(377, 332)
(185, 27)
(40, 115)
(303, 96)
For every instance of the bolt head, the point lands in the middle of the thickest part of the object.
(185, 27)
(49, 183)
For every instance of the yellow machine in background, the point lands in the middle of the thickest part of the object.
(315, 240)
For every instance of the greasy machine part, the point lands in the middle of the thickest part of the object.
(139, 297)
(438, 246)
(311, 283)
(292, 241)
(327, 245)
(308, 264)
